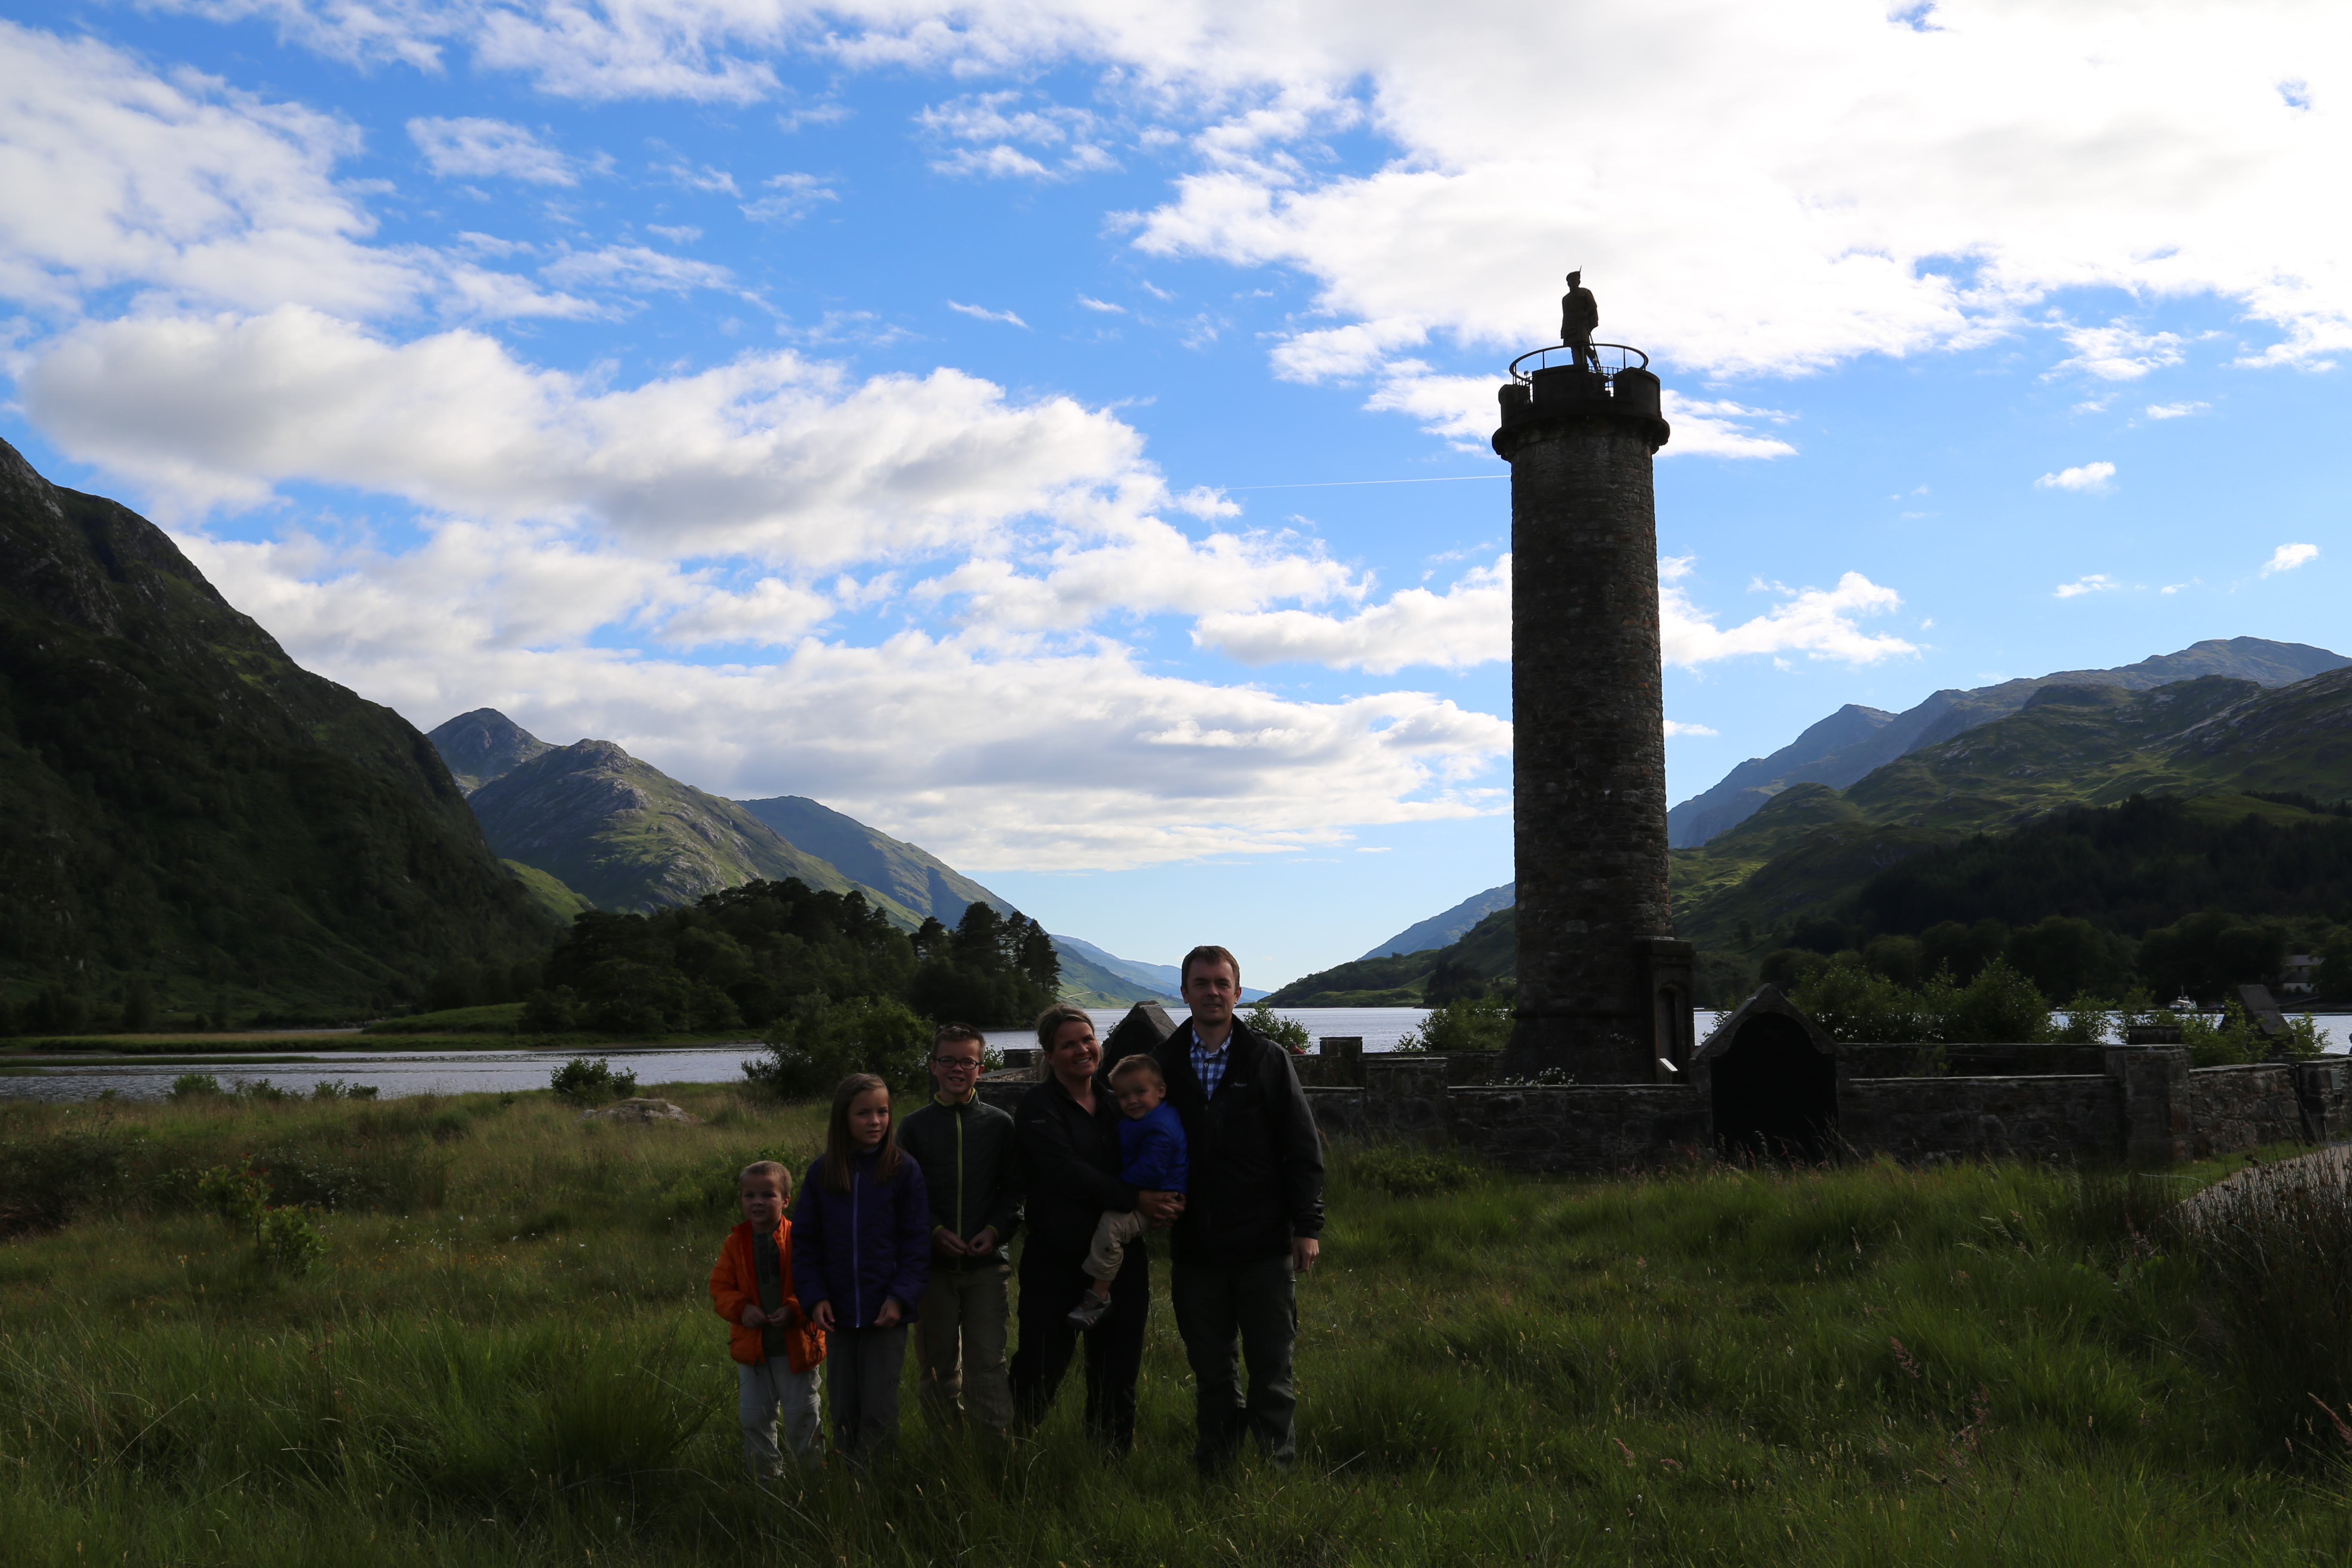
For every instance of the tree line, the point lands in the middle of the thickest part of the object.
(763, 953)
(2151, 894)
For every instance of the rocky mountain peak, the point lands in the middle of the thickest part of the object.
(484, 745)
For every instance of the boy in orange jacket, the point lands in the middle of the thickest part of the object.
(776, 1351)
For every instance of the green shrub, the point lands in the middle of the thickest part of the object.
(238, 1196)
(1467, 1024)
(45, 1180)
(260, 1089)
(194, 1086)
(287, 1242)
(1851, 1002)
(1402, 1171)
(1288, 1033)
(2236, 1038)
(583, 1081)
(336, 1089)
(820, 1042)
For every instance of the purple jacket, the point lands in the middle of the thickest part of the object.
(860, 1247)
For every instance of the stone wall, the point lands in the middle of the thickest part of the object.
(2147, 1106)
(2070, 1118)
(2236, 1107)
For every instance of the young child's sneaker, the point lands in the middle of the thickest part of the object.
(1089, 1312)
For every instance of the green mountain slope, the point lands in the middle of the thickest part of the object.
(1090, 984)
(626, 835)
(547, 893)
(189, 806)
(1851, 744)
(1487, 950)
(1440, 929)
(2070, 744)
(908, 876)
(2144, 863)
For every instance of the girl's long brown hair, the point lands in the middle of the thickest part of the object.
(839, 1149)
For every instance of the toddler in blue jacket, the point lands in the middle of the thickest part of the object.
(1151, 1157)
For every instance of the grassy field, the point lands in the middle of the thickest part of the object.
(507, 1356)
(220, 1047)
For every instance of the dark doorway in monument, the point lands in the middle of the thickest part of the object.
(1775, 1096)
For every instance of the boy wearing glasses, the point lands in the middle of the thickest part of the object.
(971, 1171)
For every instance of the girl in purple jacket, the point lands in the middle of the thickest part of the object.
(861, 1259)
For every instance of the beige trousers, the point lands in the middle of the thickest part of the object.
(1112, 1233)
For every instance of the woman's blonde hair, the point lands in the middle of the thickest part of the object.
(1050, 1021)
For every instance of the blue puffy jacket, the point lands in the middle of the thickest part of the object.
(859, 1249)
(1151, 1153)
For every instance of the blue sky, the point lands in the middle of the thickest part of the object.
(1054, 432)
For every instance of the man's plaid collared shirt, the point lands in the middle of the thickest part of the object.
(1209, 1065)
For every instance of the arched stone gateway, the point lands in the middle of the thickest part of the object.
(1770, 1076)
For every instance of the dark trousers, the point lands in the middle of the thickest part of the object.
(1258, 1304)
(1049, 1288)
(862, 1368)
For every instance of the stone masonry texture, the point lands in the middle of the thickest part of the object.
(2147, 1105)
(1588, 723)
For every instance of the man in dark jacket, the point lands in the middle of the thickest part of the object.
(1251, 1218)
(971, 1171)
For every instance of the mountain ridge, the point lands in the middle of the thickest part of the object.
(619, 832)
(1851, 744)
(648, 840)
(1444, 927)
(195, 816)
(2066, 745)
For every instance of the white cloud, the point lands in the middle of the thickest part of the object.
(1894, 189)
(1138, 562)
(790, 197)
(636, 268)
(2175, 410)
(2287, 557)
(109, 175)
(1045, 759)
(982, 313)
(1673, 729)
(1818, 622)
(1108, 309)
(2096, 582)
(468, 149)
(1470, 624)
(2118, 352)
(717, 182)
(113, 176)
(2089, 478)
(773, 457)
(1071, 137)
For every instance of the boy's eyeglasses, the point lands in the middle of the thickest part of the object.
(956, 1063)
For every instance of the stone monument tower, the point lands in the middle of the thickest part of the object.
(1604, 989)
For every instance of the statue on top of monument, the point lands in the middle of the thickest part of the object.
(1579, 314)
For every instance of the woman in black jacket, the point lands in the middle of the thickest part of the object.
(1068, 1130)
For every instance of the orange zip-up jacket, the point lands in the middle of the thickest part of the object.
(735, 1285)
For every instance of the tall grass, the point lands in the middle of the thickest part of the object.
(2275, 1246)
(511, 1359)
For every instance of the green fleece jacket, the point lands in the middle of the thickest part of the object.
(971, 1170)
